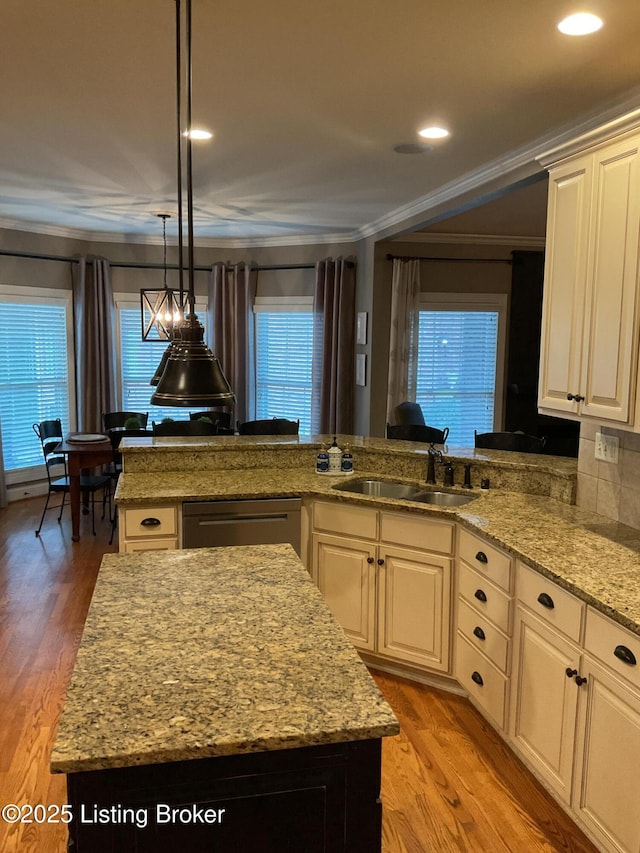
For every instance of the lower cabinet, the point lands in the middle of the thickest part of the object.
(149, 528)
(576, 709)
(391, 600)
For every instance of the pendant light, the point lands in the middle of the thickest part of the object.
(192, 375)
(160, 309)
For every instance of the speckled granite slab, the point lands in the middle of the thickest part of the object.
(552, 476)
(214, 651)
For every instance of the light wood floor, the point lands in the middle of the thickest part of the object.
(449, 783)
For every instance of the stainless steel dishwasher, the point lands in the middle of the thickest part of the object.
(259, 521)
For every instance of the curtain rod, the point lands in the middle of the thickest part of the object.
(150, 266)
(450, 260)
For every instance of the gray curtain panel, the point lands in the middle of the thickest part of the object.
(232, 292)
(403, 343)
(334, 332)
(3, 482)
(94, 324)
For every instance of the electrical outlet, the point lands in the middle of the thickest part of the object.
(607, 447)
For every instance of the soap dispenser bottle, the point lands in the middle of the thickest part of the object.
(322, 461)
(335, 457)
(346, 465)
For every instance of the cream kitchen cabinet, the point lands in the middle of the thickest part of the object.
(576, 709)
(483, 624)
(607, 779)
(149, 528)
(589, 344)
(387, 578)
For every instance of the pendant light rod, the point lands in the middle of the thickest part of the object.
(192, 296)
(179, 150)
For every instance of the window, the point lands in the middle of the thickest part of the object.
(284, 346)
(139, 359)
(35, 371)
(461, 363)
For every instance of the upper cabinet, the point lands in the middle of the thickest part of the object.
(589, 347)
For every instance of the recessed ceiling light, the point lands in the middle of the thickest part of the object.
(580, 24)
(197, 133)
(433, 133)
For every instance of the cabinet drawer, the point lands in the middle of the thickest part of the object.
(484, 597)
(493, 563)
(160, 521)
(412, 531)
(549, 601)
(482, 680)
(482, 634)
(346, 519)
(149, 545)
(616, 647)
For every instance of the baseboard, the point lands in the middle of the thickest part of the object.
(21, 491)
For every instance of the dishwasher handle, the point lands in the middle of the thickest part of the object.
(240, 519)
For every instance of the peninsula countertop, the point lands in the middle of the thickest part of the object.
(213, 651)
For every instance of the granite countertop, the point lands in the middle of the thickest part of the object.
(211, 651)
(596, 559)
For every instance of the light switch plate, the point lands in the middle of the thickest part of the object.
(607, 447)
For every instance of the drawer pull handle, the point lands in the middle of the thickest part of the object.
(369, 560)
(625, 655)
(546, 600)
(571, 672)
(481, 557)
(479, 633)
(480, 594)
(150, 522)
(475, 676)
(580, 680)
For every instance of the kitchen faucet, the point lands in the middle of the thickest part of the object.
(434, 454)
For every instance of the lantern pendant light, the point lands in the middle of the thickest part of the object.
(192, 375)
(160, 309)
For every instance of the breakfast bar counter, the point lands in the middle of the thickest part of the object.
(215, 682)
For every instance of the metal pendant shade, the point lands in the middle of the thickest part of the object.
(192, 375)
(189, 373)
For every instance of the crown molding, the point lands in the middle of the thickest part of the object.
(618, 126)
(470, 239)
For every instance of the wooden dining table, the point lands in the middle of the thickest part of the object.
(81, 455)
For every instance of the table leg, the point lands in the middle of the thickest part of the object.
(74, 498)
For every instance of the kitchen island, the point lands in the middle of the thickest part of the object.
(216, 704)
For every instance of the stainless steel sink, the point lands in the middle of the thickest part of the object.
(380, 489)
(403, 491)
(443, 498)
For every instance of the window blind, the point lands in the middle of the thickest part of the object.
(457, 371)
(34, 377)
(138, 362)
(284, 345)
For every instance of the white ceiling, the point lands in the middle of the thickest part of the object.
(306, 100)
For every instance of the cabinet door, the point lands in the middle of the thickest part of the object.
(564, 284)
(608, 364)
(544, 700)
(608, 769)
(413, 611)
(347, 580)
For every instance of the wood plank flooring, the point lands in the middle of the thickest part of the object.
(449, 782)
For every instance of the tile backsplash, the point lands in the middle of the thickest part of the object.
(610, 490)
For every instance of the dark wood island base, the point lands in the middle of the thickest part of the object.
(319, 799)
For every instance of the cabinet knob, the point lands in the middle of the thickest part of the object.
(580, 680)
(369, 560)
(481, 557)
(546, 601)
(475, 676)
(381, 562)
(571, 672)
(570, 397)
(480, 594)
(479, 633)
(625, 655)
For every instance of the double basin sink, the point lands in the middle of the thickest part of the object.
(403, 491)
